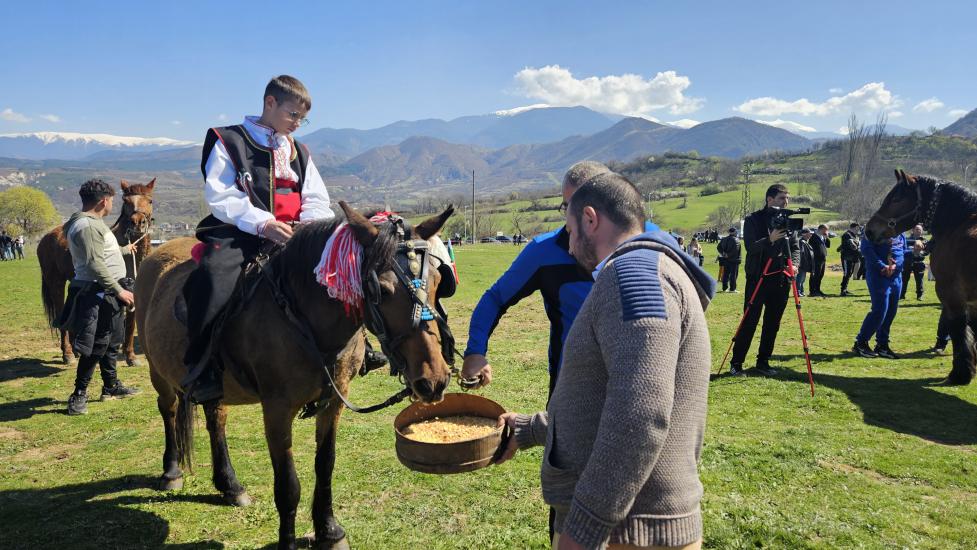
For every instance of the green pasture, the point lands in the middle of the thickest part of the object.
(880, 457)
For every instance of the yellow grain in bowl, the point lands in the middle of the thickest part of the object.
(450, 429)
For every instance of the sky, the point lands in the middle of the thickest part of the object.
(173, 69)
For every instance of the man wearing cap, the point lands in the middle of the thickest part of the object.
(730, 253)
(850, 255)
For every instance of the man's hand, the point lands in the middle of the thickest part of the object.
(508, 419)
(126, 297)
(127, 249)
(276, 231)
(793, 270)
(477, 366)
(777, 234)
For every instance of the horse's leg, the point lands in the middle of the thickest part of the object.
(128, 345)
(329, 534)
(963, 348)
(167, 402)
(278, 419)
(55, 292)
(224, 477)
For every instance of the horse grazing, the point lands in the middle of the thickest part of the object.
(132, 226)
(285, 344)
(949, 212)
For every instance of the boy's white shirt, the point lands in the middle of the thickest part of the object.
(231, 205)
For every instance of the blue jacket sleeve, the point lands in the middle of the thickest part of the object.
(899, 251)
(516, 283)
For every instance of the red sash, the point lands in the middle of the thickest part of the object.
(288, 201)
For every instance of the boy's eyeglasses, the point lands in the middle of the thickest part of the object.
(295, 116)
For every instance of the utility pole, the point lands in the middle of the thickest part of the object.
(474, 233)
(745, 197)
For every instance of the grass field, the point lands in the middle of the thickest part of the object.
(880, 457)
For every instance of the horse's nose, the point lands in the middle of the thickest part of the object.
(428, 391)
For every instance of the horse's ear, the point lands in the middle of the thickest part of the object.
(125, 186)
(151, 183)
(900, 176)
(364, 231)
(430, 227)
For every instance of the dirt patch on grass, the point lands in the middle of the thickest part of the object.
(10, 434)
(849, 469)
(57, 452)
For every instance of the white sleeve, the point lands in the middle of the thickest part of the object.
(228, 203)
(315, 197)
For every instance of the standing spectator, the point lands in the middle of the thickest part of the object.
(850, 255)
(623, 429)
(681, 243)
(94, 311)
(883, 276)
(807, 260)
(19, 246)
(730, 253)
(763, 244)
(6, 246)
(915, 262)
(942, 334)
(819, 245)
(695, 250)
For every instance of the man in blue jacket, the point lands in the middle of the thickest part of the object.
(883, 276)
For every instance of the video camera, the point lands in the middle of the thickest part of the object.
(783, 219)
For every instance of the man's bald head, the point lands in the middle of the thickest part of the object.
(581, 172)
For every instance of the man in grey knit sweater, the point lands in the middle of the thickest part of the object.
(623, 429)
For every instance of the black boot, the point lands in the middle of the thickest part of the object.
(209, 386)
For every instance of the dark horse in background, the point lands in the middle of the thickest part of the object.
(280, 335)
(949, 212)
(133, 224)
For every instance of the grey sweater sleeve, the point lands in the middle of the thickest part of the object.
(531, 430)
(89, 240)
(640, 356)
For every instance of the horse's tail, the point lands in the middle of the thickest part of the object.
(51, 309)
(184, 431)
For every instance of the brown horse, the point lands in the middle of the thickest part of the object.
(949, 212)
(283, 334)
(132, 226)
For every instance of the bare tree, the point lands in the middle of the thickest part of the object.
(745, 206)
(519, 220)
(723, 217)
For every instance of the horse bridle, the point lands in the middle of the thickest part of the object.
(924, 219)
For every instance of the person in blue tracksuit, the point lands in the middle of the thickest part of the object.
(883, 276)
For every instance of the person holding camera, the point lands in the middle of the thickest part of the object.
(730, 252)
(850, 255)
(94, 310)
(915, 262)
(770, 242)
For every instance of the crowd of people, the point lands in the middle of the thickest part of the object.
(11, 248)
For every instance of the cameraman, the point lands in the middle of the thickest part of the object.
(765, 243)
(915, 262)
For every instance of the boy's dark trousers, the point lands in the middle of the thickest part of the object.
(99, 323)
(918, 269)
(207, 290)
(771, 301)
(731, 271)
(848, 266)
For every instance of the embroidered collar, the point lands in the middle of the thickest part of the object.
(265, 135)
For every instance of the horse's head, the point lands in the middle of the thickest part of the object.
(137, 208)
(901, 209)
(401, 285)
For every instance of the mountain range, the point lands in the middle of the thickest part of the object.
(74, 146)
(965, 126)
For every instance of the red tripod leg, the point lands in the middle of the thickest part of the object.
(800, 321)
(746, 311)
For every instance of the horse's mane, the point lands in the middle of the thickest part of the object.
(956, 203)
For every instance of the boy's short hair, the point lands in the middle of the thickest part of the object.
(285, 87)
(775, 190)
(583, 171)
(611, 195)
(93, 191)
(853, 225)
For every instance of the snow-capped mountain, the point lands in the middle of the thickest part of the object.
(74, 146)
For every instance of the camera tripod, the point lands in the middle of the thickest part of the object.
(789, 273)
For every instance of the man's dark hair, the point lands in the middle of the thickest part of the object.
(93, 191)
(582, 171)
(775, 190)
(853, 225)
(611, 195)
(284, 87)
(822, 226)
(731, 230)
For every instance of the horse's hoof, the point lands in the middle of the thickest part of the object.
(65, 359)
(130, 361)
(240, 500)
(341, 544)
(167, 484)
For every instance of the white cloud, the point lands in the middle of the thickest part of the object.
(788, 125)
(928, 105)
(869, 98)
(626, 94)
(51, 118)
(895, 114)
(222, 117)
(843, 131)
(835, 91)
(176, 122)
(10, 115)
(957, 113)
(685, 123)
(517, 110)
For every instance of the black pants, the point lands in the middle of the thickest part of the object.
(942, 330)
(731, 271)
(771, 301)
(99, 323)
(918, 269)
(209, 287)
(817, 275)
(849, 267)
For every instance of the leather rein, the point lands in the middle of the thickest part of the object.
(918, 215)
